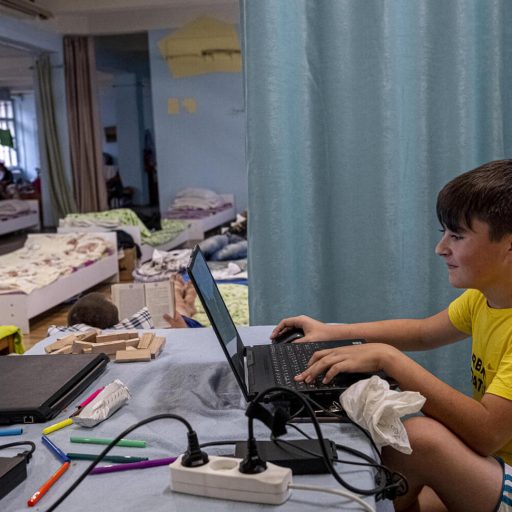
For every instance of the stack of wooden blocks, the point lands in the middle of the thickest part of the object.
(122, 346)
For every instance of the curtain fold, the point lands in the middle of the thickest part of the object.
(59, 190)
(84, 127)
(358, 112)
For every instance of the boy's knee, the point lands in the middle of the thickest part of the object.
(426, 435)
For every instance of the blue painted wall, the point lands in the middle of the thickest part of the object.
(204, 149)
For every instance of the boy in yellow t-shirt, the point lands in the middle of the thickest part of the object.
(462, 446)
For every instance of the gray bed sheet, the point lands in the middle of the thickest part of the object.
(190, 378)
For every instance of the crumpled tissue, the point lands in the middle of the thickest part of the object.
(372, 405)
(111, 398)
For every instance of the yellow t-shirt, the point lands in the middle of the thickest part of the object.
(491, 358)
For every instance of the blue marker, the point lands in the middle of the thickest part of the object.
(55, 450)
(15, 431)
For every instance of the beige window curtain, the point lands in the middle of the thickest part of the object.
(61, 199)
(84, 127)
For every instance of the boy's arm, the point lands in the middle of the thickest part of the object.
(404, 334)
(484, 426)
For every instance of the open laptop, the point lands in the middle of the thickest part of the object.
(260, 367)
(35, 388)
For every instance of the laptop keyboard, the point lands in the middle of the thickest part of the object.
(289, 360)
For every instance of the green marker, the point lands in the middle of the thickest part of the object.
(121, 459)
(132, 443)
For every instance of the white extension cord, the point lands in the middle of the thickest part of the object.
(221, 478)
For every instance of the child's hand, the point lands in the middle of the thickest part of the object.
(175, 322)
(369, 357)
(313, 329)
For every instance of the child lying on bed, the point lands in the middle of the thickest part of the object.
(97, 310)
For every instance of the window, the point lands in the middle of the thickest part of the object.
(8, 154)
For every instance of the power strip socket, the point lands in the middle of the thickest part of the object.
(221, 478)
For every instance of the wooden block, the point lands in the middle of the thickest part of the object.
(64, 350)
(87, 350)
(109, 347)
(89, 336)
(128, 356)
(134, 342)
(121, 335)
(157, 344)
(146, 339)
(60, 343)
(80, 346)
(130, 348)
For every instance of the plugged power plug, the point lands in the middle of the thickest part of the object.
(221, 478)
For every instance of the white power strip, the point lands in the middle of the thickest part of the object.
(221, 478)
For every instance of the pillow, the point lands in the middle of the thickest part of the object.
(201, 193)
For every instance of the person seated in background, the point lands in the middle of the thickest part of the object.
(96, 310)
(6, 179)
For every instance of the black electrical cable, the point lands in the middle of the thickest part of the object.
(369, 461)
(216, 443)
(381, 487)
(28, 454)
(398, 480)
(111, 445)
(344, 415)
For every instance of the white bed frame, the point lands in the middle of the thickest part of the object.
(18, 308)
(196, 231)
(27, 220)
(198, 227)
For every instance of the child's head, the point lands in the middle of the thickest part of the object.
(94, 309)
(485, 193)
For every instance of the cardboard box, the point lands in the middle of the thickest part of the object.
(127, 264)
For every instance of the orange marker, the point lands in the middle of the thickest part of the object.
(46, 486)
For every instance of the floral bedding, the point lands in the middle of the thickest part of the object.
(46, 257)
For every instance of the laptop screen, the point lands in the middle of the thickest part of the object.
(218, 314)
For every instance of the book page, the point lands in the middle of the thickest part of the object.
(129, 298)
(160, 300)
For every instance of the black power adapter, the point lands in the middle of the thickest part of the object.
(13, 470)
(292, 454)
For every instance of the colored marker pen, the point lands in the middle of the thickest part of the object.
(61, 456)
(15, 431)
(120, 459)
(133, 465)
(57, 426)
(47, 485)
(132, 443)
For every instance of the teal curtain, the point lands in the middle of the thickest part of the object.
(358, 112)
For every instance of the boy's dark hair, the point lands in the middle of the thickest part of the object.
(94, 309)
(484, 193)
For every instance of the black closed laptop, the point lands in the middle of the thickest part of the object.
(35, 388)
(259, 367)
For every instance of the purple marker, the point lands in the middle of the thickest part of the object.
(132, 465)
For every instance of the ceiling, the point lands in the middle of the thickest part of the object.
(107, 18)
(121, 16)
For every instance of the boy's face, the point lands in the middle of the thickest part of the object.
(473, 260)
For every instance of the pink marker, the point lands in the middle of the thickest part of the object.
(88, 400)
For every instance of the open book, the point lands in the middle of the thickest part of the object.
(157, 297)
